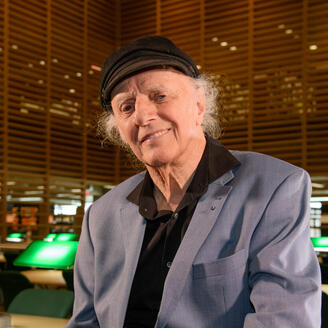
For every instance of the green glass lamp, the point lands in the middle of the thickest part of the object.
(54, 255)
(63, 236)
(15, 237)
(320, 244)
(50, 237)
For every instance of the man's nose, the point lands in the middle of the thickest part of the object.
(144, 111)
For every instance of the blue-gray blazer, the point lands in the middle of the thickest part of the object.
(246, 259)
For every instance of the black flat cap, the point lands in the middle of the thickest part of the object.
(139, 55)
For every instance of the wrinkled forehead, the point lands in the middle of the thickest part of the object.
(151, 79)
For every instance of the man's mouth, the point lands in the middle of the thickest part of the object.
(154, 135)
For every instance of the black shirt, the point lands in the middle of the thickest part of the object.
(164, 232)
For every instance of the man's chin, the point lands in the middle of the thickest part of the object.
(156, 162)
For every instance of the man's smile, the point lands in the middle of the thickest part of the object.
(154, 135)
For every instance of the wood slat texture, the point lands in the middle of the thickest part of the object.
(269, 60)
(49, 92)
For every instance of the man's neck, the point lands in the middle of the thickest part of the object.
(172, 181)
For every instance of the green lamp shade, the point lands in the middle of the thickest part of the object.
(54, 255)
(320, 241)
(63, 236)
(15, 237)
(50, 237)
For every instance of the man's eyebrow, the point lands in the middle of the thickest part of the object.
(172, 92)
(157, 89)
(123, 96)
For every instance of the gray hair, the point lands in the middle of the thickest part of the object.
(211, 121)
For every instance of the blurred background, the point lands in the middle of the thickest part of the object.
(269, 59)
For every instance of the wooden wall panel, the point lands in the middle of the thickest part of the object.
(27, 77)
(226, 56)
(278, 79)
(2, 114)
(269, 61)
(50, 56)
(317, 87)
(268, 58)
(187, 31)
(138, 18)
(101, 159)
(66, 89)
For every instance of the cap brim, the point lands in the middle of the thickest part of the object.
(140, 64)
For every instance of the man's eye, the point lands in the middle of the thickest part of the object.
(126, 108)
(160, 97)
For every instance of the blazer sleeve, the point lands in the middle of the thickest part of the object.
(284, 274)
(83, 311)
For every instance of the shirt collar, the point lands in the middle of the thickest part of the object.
(216, 161)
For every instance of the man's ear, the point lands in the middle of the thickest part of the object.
(201, 104)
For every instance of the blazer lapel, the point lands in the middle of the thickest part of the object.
(205, 216)
(133, 227)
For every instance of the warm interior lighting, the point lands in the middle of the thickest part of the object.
(319, 199)
(281, 26)
(317, 185)
(96, 68)
(42, 62)
(66, 76)
(316, 205)
(58, 112)
(289, 31)
(224, 43)
(313, 47)
(78, 74)
(215, 39)
(71, 90)
(233, 48)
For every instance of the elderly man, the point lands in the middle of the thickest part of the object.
(205, 237)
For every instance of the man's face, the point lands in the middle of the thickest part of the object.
(159, 114)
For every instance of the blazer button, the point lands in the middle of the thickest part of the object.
(168, 264)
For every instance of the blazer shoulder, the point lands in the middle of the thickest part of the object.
(119, 192)
(262, 164)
